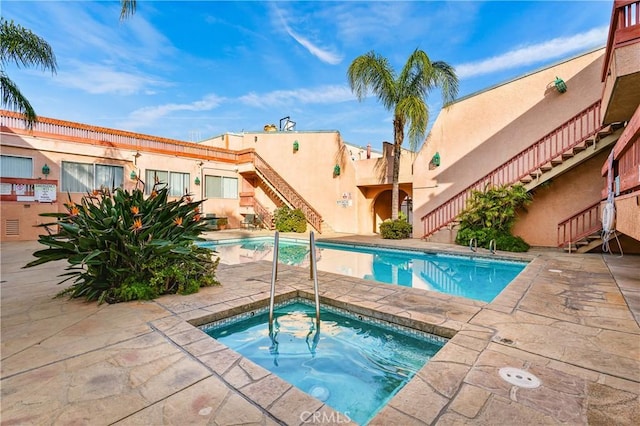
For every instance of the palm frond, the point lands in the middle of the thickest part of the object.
(24, 48)
(373, 73)
(14, 100)
(128, 8)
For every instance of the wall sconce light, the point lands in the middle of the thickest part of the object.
(435, 160)
(133, 175)
(336, 170)
(46, 170)
(561, 86)
(296, 146)
(197, 181)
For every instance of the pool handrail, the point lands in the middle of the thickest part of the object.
(313, 271)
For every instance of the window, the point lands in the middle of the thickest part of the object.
(16, 167)
(178, 182)
(84, 177)
(221, 187)
(109, 176)
(77, 177)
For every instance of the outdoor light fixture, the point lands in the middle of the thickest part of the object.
(133, 175)
(46, 170)
(336, 170)
(296, 146)
(561, 86)
(435, 160)
(197, 181)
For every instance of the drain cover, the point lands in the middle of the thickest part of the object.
(518, 377)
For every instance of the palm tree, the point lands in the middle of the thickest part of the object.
(405, 94)
(20, 45)
(128, 8)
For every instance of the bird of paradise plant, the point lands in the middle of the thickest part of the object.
(121, 246)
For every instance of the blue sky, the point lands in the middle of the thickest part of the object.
(192, 70)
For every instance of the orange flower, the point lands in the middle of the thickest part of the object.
(135, 210)
(196, 217)
(189, 199)
(153, 193)
(73, 211)
(137, 224)
(95, 192)
(196, 210)
(178, 221)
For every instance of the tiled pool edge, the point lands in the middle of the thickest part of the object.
(456, 357)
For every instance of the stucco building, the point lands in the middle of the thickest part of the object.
(569, 132)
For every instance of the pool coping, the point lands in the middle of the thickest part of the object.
(454, 356)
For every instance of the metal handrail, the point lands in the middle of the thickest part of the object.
(313, 272)
(473, 244)
(492, 246)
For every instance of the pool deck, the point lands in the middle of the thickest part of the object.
(569, 319)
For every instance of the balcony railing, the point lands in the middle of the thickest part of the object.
(580, 225)
(82, 133)
(563, 139)
(624, 28)
(28, 190)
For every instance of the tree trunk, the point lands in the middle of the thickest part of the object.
(398, 137)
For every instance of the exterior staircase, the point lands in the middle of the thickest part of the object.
(570, 144)
(278, 189)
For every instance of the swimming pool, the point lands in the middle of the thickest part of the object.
(471, 277)
(352, 363)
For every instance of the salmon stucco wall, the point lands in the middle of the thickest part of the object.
(563, 197)
(477, 134)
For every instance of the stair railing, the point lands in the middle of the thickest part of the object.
(580, 225)
(263, 214)
(290, 194)
(564, 138)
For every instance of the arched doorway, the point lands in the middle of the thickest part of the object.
(382, 207)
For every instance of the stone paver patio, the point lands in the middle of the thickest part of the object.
(571, 320)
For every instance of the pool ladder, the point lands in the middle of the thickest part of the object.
(313, 274)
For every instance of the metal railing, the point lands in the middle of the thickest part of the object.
(313, 273)
(287, 191)
(580, 225)
(561, 140)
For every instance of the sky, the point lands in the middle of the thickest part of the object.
(191, 70)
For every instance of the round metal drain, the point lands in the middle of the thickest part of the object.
(519, 377)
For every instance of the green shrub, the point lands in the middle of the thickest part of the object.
(396, 229)
(503, 240)
(288, 220)
(121, 246)
(490, 215)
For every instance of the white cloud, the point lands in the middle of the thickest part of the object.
(319, 95)
(102, 79)
(148, 115)
(324, 55)
(527, 55)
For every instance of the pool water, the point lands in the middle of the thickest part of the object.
(354, 366)
(471, 277)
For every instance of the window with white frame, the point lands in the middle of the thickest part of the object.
(178, 182)
(84, 177)
(221, 187)
(16, 167)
